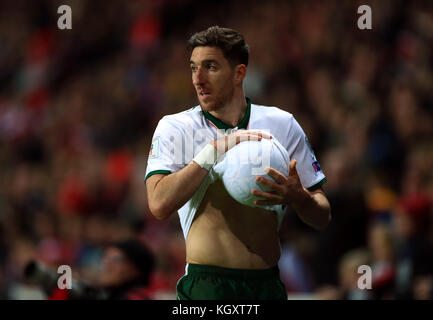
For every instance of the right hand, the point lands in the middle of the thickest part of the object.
(225, 143)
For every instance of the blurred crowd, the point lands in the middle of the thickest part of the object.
(78, 109)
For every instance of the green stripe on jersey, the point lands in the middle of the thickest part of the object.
(151, 173)
(317, 185)
(221, 125)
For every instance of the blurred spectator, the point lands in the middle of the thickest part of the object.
(125, 273)
(414, 251)
(347, 287)
(382, 250)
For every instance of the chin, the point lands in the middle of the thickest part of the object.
(206, 106)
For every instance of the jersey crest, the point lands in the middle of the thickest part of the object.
(154, 149)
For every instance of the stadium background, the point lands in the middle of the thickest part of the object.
(78, 108)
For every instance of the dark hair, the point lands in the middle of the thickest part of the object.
(139, 255)
(231, 42)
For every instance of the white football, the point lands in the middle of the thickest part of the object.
(248, 160)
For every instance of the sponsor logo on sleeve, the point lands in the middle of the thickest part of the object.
(316, 166)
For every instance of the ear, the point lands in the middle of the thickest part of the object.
(240, 73)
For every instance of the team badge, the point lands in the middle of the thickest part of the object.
(154, 148)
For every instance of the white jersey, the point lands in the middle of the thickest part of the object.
(179, 137)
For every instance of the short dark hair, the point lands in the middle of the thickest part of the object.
(231, 42)
(139, 255)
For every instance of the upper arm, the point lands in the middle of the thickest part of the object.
(307, 165)
(152, 182)
(317, 191)
(152, 201)
(166, 151)
(321, 199)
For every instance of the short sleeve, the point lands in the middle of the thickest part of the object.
(308, 167)
(166, 151)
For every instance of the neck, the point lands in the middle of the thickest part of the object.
(233, 111)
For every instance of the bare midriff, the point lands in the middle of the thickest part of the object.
(228, 234)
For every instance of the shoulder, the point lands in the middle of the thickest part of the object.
(181, 119)
(271, 111)
(271, 114)
(282, 124)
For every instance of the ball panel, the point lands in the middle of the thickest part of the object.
(248, 160)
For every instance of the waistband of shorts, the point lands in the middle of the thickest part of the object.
(197, 269)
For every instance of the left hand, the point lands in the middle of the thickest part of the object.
(286, 190)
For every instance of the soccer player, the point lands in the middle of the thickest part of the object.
(232, 250)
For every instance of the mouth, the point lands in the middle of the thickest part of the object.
(204, 94)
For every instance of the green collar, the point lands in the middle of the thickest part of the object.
(221, 125)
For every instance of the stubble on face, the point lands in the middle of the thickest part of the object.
(221, 99)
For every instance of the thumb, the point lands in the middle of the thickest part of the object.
(292, 169)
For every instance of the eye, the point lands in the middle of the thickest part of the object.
(193, 68)
(212, 67)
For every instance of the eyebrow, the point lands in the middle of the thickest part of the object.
(207, 61)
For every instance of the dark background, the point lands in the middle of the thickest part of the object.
(78, 109)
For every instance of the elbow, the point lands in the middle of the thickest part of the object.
(159, 211)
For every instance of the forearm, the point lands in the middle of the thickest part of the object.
(313, 209)
(172, 191)
(168, 193)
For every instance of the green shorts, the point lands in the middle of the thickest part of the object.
(216, 283)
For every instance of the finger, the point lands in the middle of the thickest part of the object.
(242, 138)
(292, 168)
(276, 175)
(259, 133)
(268, 202)
(251, 137)
(266, 195)
(269, 183)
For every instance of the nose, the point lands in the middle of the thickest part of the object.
(198, 77)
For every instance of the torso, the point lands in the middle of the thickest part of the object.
(227, 234)
(222, 232)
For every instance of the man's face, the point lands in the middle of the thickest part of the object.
(212, 77)
(117, 269)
